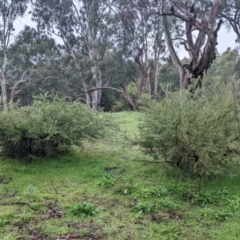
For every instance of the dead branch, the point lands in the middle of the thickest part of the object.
(15, 89)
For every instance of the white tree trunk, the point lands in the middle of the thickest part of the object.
(3, 82)
(87, 96)
(156, 82)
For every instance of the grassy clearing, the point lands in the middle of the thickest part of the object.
(111, 190)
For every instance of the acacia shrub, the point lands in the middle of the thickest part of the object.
(50, 125)
(197, 134)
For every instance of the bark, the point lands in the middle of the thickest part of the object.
(147, 72)
(123, 92)
(144, 69)
(176, 62)
(156, 82)
(200, 61)
(87, 97)
(15, 88)
(136, 17)
(96, 75)
(3, 81)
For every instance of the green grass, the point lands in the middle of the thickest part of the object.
(111, 190)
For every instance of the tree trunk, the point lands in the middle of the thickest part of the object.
(173, 54)
(147, 73)
(123, 92)
(201, 51)
(3, 81)
(87, 97)
(96, 76)
(96, 96)
(156, 82)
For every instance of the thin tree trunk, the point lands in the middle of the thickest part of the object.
(147, 73)
(156, 82)
(87, 96)
(181, 72)
(3, 82)
(123, 92)
(97, 80)
(96, 96)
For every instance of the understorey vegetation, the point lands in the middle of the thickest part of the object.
(49, 126)
(195, 133)
(111, 190)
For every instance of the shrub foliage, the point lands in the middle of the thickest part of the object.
(197, 134)
(50, 125)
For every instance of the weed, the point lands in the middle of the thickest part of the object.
(9, 237)
(108, 180)
(207, 212)
(169, 232)
(234, 204)
(205, 198)
(4, 222)
(31, 190)
(167, 204)
(6, 218)
(125, 189)
(223, 216)
(153, 192)
(83, 209)
(184, 191)
(23, 218)
(143, 208)
(223, 192)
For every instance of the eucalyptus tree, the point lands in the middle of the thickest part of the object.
(82, 26)
(199, 36)
(28, 51)
(231, 13)
(141, 36)
(10, 12)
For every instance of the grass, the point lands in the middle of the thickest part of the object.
(111, 190)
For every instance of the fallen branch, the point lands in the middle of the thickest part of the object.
(19, 203)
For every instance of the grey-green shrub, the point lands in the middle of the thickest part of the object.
(50, 125)
(196, 133)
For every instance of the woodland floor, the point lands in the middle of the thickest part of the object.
(111, 190)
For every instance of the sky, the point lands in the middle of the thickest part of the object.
(226, 38)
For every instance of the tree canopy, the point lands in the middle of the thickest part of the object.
(98, 51)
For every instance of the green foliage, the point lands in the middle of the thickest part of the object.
(23, 218)
(222, 216)
(234, 204)
(167, 204)
(31, 190)
(107, 181)
(207, 212)
(144, 207)
(83, 209)
(205, 198)
(152, 192)
(195, 133)
(127, 188)
(50, 125)
(170, 232)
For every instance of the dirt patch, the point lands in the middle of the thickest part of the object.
(158, 218)
(73, 236)
(88, 226)
(91, 232)
(53, 211)
(111, 169)
(37, 235)
(175, 216)
(5, 179)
